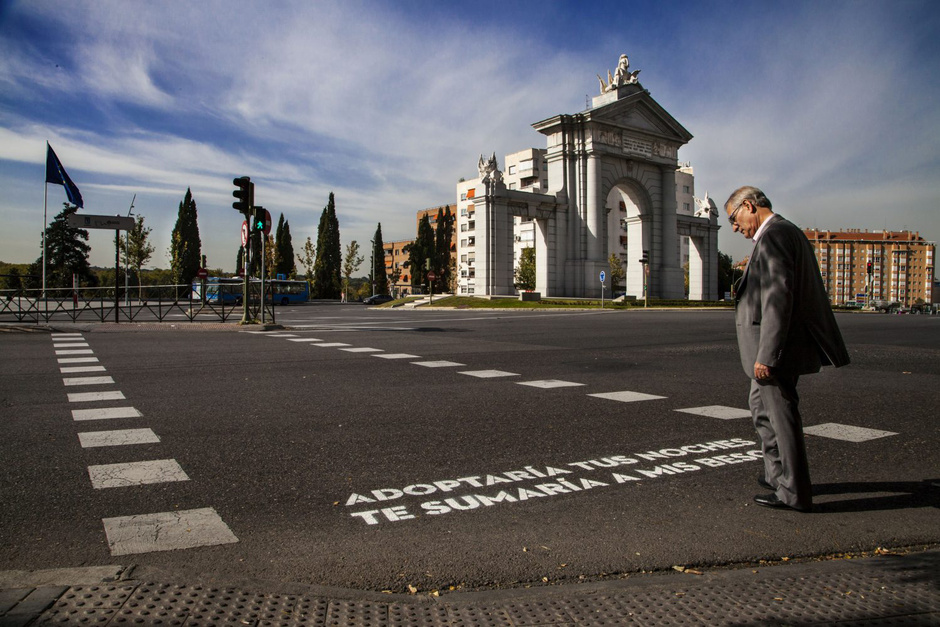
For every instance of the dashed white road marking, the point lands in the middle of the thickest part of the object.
(73, 381)
(71, 345)
(721, 412)
(136, 473)
(120, 437)
(166, 531)
(848, 433)
(105, 413)
(66, 336)
(626, 396)
(77, 360)
(85, 397)
(280, 335)
(362, 349)
(547, 384)
(437, 364)
(331, 344)
(75, 351)
(305, 339)
(397, 356)
(77, 369)
(489, 374)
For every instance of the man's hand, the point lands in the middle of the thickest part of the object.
(762, 372)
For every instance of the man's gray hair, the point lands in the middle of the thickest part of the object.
(747, 192)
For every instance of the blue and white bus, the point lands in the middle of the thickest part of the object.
(229, 290)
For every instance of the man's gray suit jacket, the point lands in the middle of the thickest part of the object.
(782, 311)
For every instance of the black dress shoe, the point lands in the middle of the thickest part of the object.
(771, 500)
(762, 482)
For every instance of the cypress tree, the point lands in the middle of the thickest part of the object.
(441, 260)
(185, 247)
(380, 278)
(285, 245)
(328, 266)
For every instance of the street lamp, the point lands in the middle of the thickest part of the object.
(127, 256)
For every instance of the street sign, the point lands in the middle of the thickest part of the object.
(267, 222)
(603, 276)
(114, 223)
(432, 276)
(244, 233)
(202, 273)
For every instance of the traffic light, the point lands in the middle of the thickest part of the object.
(258, 218)
(645, 259)
(245, 193)
(869, 267)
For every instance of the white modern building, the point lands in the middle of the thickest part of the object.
(608, 182)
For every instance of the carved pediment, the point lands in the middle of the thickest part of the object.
(640, 112)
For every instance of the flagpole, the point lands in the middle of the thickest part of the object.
(45, 198)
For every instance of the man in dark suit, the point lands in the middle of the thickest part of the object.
(785, 329)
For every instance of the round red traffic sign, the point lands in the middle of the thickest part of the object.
(202, 273)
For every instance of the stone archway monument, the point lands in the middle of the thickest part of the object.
(619, 154)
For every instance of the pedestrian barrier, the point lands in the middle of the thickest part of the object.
(147, 303)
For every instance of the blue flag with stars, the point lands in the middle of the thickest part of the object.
(56, 174)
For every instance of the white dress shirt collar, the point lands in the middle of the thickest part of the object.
(763, 227)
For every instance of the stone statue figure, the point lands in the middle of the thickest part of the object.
(622, 76)
(705, 207)
(489, 169)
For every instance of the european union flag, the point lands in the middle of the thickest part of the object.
(55, 173)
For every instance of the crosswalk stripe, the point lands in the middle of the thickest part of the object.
(75, 351)
(546, 384)
(118, 437)
(72, 381)
(166, 531)
(136, 473)
(77, 369)
(488, 374)
(77, 360)
(717, 411)
(85, 397)
(626, 396)
(66, 336)
(105, 413)
(71, 345)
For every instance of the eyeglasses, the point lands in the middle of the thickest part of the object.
(734, 213)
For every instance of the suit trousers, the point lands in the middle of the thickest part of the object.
(775, 411)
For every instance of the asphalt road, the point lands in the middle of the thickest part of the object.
(345, 468)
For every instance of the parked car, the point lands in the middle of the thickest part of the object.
(378, 299)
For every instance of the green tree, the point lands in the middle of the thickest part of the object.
(66, 253)
(421, 253)
(379, 277)
(185, 246)
(525, 271)
(442, 257)
(308, 259)
(351, 263)
(284, 263)
(617, 272)
(327, 269)
(12, 280)
(725, 274)
(137, 250)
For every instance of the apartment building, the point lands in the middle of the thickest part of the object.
(859, 267)
(396, 258)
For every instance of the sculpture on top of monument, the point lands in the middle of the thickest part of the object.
(489, 169)
(622, 76)
(706, 207)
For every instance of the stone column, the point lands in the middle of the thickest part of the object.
(670, 278)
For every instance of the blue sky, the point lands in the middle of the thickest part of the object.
(830, 107)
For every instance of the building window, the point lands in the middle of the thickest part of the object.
(512, 169)
(685, 189)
